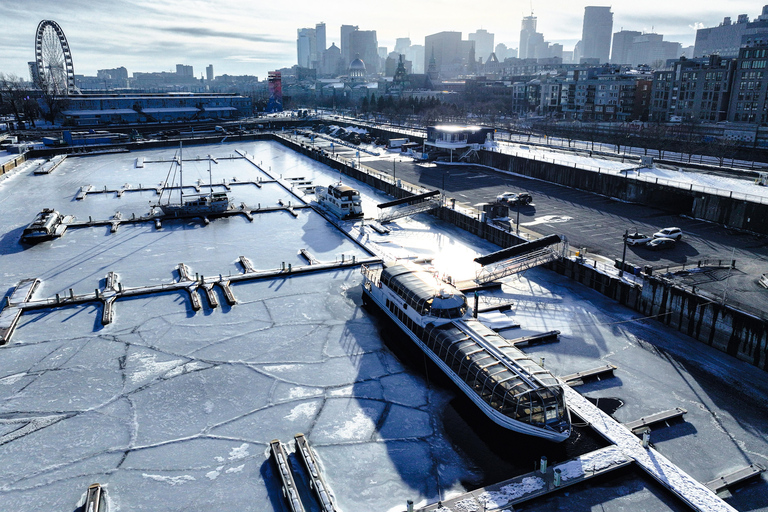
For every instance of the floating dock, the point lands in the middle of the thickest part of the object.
(316, 480)
(11, 310)
(20, 299)
(578, 378)
(290, 493)
(504, 495)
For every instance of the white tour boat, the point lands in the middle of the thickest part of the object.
(509, 387)
(342, 200)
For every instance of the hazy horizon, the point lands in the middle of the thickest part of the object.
(237, 39)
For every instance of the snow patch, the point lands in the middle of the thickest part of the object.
(497, 499)
(237, 469)
(239, 453)
(306, 410)
(173, 480)
(147, 366)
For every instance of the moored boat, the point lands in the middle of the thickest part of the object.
(508, 387)
(48, 224)
(342, 200)
(194, 205)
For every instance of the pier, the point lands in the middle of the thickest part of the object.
(316, 481)
(188, 282)
(506, 494)
(290, 493)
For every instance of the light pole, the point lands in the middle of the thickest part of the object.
(517, 222)
(624, 253)
(394, 176)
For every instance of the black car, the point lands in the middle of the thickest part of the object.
(660, 243)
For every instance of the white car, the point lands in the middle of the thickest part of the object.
(673, 233)
(638, 238)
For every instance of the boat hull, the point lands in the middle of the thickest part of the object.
(490, 412)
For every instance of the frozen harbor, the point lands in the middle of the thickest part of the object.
(173, 409)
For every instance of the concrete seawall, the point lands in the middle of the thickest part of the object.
(728, 211)
(734, 332)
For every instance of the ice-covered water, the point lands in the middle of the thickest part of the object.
(173, 409)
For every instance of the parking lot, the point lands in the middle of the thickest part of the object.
(597, 223)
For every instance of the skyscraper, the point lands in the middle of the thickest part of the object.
(365, 44)
(209, 72)
(306, 46)
(483, 43)
(622, 42)
(319, 41)
(596, 33)
(527, 31)
(346, 30)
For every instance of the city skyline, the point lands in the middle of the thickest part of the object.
(238, 40)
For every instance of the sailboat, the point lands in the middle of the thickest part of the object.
(193, 205)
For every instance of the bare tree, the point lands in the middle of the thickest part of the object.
(13, 94)
(54, 98)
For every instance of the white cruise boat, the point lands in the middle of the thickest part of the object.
(511, 389)
(341, 200)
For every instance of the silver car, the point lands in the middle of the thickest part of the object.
(673, 233)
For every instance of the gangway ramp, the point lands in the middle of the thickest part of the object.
(518, 258)
(412, 205)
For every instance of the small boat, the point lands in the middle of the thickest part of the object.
(342, 200)
(504, 383)
(48, 224)
(194, 205)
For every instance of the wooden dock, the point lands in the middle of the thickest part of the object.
(536, 339)
(720, 485)
(578, 378)
(641, 424)
(693, 493)
(188, 282)
(11, 309)
(506, 494)
(317, 482)
(290, 493)
(625, 449)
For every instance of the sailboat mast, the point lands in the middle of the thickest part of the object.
(181, 175)
(210, 175)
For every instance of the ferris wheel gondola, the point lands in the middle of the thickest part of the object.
(55, 70)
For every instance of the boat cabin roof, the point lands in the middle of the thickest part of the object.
(420, 287)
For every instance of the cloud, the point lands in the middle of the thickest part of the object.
(207, 32)
(696, 26)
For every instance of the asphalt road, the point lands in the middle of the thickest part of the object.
(597, 223)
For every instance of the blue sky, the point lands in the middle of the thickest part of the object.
(247, 37)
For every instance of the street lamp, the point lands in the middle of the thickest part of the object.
(624, 253)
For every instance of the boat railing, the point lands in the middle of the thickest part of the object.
(371, 274)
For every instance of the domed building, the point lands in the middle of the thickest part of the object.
(357, 69)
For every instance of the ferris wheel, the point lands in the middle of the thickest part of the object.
(53, 59)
